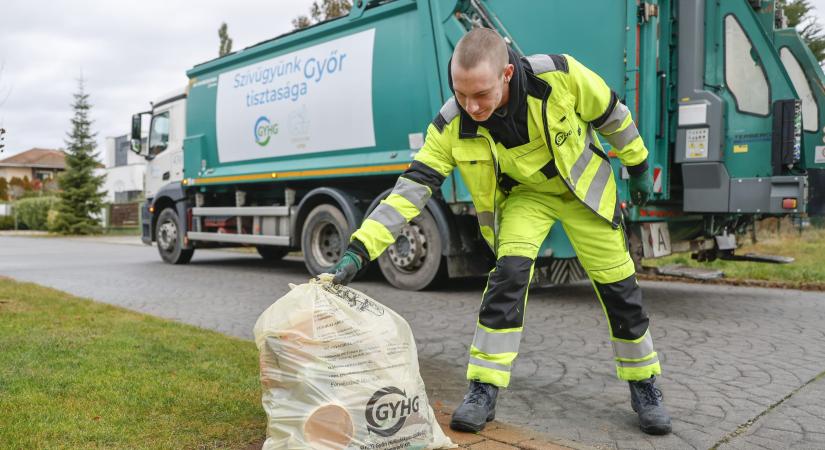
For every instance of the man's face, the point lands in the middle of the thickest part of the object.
(482, 89)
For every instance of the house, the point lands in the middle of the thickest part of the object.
(124, 171)
(36, 164)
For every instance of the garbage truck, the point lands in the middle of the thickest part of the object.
(288, 144)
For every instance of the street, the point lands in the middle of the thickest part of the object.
(743, 367)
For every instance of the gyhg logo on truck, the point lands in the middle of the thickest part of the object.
(264, 130)
(388, 409)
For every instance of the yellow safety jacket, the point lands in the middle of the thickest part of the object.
(566, 103)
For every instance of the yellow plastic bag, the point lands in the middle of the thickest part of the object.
(340, 371)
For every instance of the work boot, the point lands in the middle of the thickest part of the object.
(646, 400)
(478, 408)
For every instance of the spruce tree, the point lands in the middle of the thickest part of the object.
(80, 197)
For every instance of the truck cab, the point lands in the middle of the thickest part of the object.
(163, 151)
(164, 146)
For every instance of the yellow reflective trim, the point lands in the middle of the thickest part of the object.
(504, 359)
(503, 330)
(303, 173)
(403, 206)
(375, 237)
(636, 360)
(498, 378)
(608, 200)
(638, 373)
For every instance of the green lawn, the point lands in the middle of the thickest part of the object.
(808, 249)
(79, 374)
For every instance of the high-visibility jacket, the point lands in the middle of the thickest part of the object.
(566, 103)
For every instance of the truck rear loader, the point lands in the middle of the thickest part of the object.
(288, 144)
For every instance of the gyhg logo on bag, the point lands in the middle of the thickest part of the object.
(388, 409)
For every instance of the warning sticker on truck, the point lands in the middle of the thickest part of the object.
(315, 99)
(697, 143)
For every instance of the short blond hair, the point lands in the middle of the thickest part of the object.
(481, 45)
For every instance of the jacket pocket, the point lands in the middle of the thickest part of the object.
(529, 158)
(475, 164)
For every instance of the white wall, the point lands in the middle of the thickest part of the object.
(121, 178)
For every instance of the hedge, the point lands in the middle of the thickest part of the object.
(33, 212)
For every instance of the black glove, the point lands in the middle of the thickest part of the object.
(641, 188)
(354, 259)
(347, 268)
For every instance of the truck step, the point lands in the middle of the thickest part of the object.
(755, 257)
(695, 273)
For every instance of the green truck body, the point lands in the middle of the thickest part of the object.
(289, 143)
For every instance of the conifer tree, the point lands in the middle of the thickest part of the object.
(81, 199)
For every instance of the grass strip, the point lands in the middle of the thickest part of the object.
(80, 374)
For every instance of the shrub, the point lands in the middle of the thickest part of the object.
(34, 212)
(6, 222)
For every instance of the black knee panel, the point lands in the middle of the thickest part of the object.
(503, 303)
(623, 302)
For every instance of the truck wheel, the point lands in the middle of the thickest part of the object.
(170, 239)
(414, 261)
(324, 238)
(270, 253)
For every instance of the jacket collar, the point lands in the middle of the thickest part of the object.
(535, 87)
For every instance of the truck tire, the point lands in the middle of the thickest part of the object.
(414, 261)
(169, 239)
(270, 253)
(324, 238)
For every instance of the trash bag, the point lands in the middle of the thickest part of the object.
(340, 371)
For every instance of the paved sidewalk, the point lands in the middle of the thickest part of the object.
(743, 367)
(501, 436)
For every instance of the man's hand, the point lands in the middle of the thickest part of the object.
(641, 188)
(347, 268)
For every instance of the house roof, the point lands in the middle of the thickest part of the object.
(43, 158)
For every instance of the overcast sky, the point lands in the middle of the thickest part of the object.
(128, 55)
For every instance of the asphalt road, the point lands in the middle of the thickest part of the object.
(743, 367)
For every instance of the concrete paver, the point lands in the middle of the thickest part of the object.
(730, 355)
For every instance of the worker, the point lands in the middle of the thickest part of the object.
(521, 133)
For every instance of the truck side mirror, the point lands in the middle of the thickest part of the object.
(135, 138)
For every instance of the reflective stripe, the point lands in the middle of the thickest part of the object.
(416, 193)
(541, 63)
(486, 219)
(630, 350)
(450, 110)
(584, 159)
(598, 185)
(489, 365)
(651, 361)
(388, 216)
(494, 343)
(615, 119)
(621, 139)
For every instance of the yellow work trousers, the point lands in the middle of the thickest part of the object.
(525, 220)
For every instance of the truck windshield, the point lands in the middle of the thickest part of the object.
(803, 89)
(159, 134)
